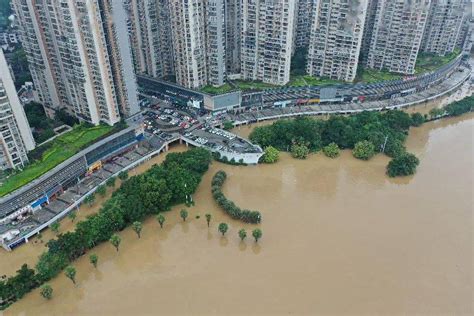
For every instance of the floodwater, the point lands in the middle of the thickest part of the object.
(339, 237)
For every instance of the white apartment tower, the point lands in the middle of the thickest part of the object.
(267, 40)
(216, 34)
(443, 27)
(79, 57)
(336, 37)
(15, 133)
(303, 22)
(150, 35)
(233, 13)
(398, 28)
(188, 29)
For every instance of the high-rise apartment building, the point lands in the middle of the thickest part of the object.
(233, 11)
(336, 37)
(188, 27)
(15, 134)
(267, 40)
(150, 35)
(398, 27)
(79, 57)
(368, 29)
(216, 33)
(443, 27)
(303, 22)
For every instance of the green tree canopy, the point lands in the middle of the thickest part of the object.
(242, 234)
(161, 219)
(364, 150)
(137, 228)
(403, 165)
(46, 291)
(331, 150)
(299, 151)
(257, 234)
(70, 273)
(115, 240)
(270, 155)
(223, 227)
(94, 259)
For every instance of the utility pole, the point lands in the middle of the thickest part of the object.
(384, 144)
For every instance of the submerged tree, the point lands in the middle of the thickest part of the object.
(332, 150)
(364, 150)
(94, 259)
(90, 199)
(123, 175)
(55, 227)
(161, 219)
(46, 291)
(110, 182)
(72, 216)
(137, 228)
(101, 190)
(403, 165)
(184, 214)
(299, 150)
(257, 234)
(242, 234)
(271, 155)
(223, 227)
(70, 272)
(115, 240)
(208, 219)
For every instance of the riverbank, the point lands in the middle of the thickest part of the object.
(340, 236)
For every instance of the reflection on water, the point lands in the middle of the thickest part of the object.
(339, 238)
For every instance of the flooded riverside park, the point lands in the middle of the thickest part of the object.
(339, 237)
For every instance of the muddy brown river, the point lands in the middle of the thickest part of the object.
(339, 238)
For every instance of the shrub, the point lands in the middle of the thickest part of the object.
(332, 150)
(46, 291)
(271, 155)
(417, 119)
(403, 165)
(110, 182)
(101, 190)
(299, 151)
(123, 175)
(364, 150)
(436, 112)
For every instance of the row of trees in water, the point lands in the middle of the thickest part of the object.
(152, 192)
(115, 240)
(227, 205)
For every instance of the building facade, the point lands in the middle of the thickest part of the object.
(16, 138)
(267, 40)
(303, 22)
(398, 27)
(336, 38)
(79, 57)
(443, 27)
(216, 34)
(188, 28)
(233, 14)
(150, 36)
